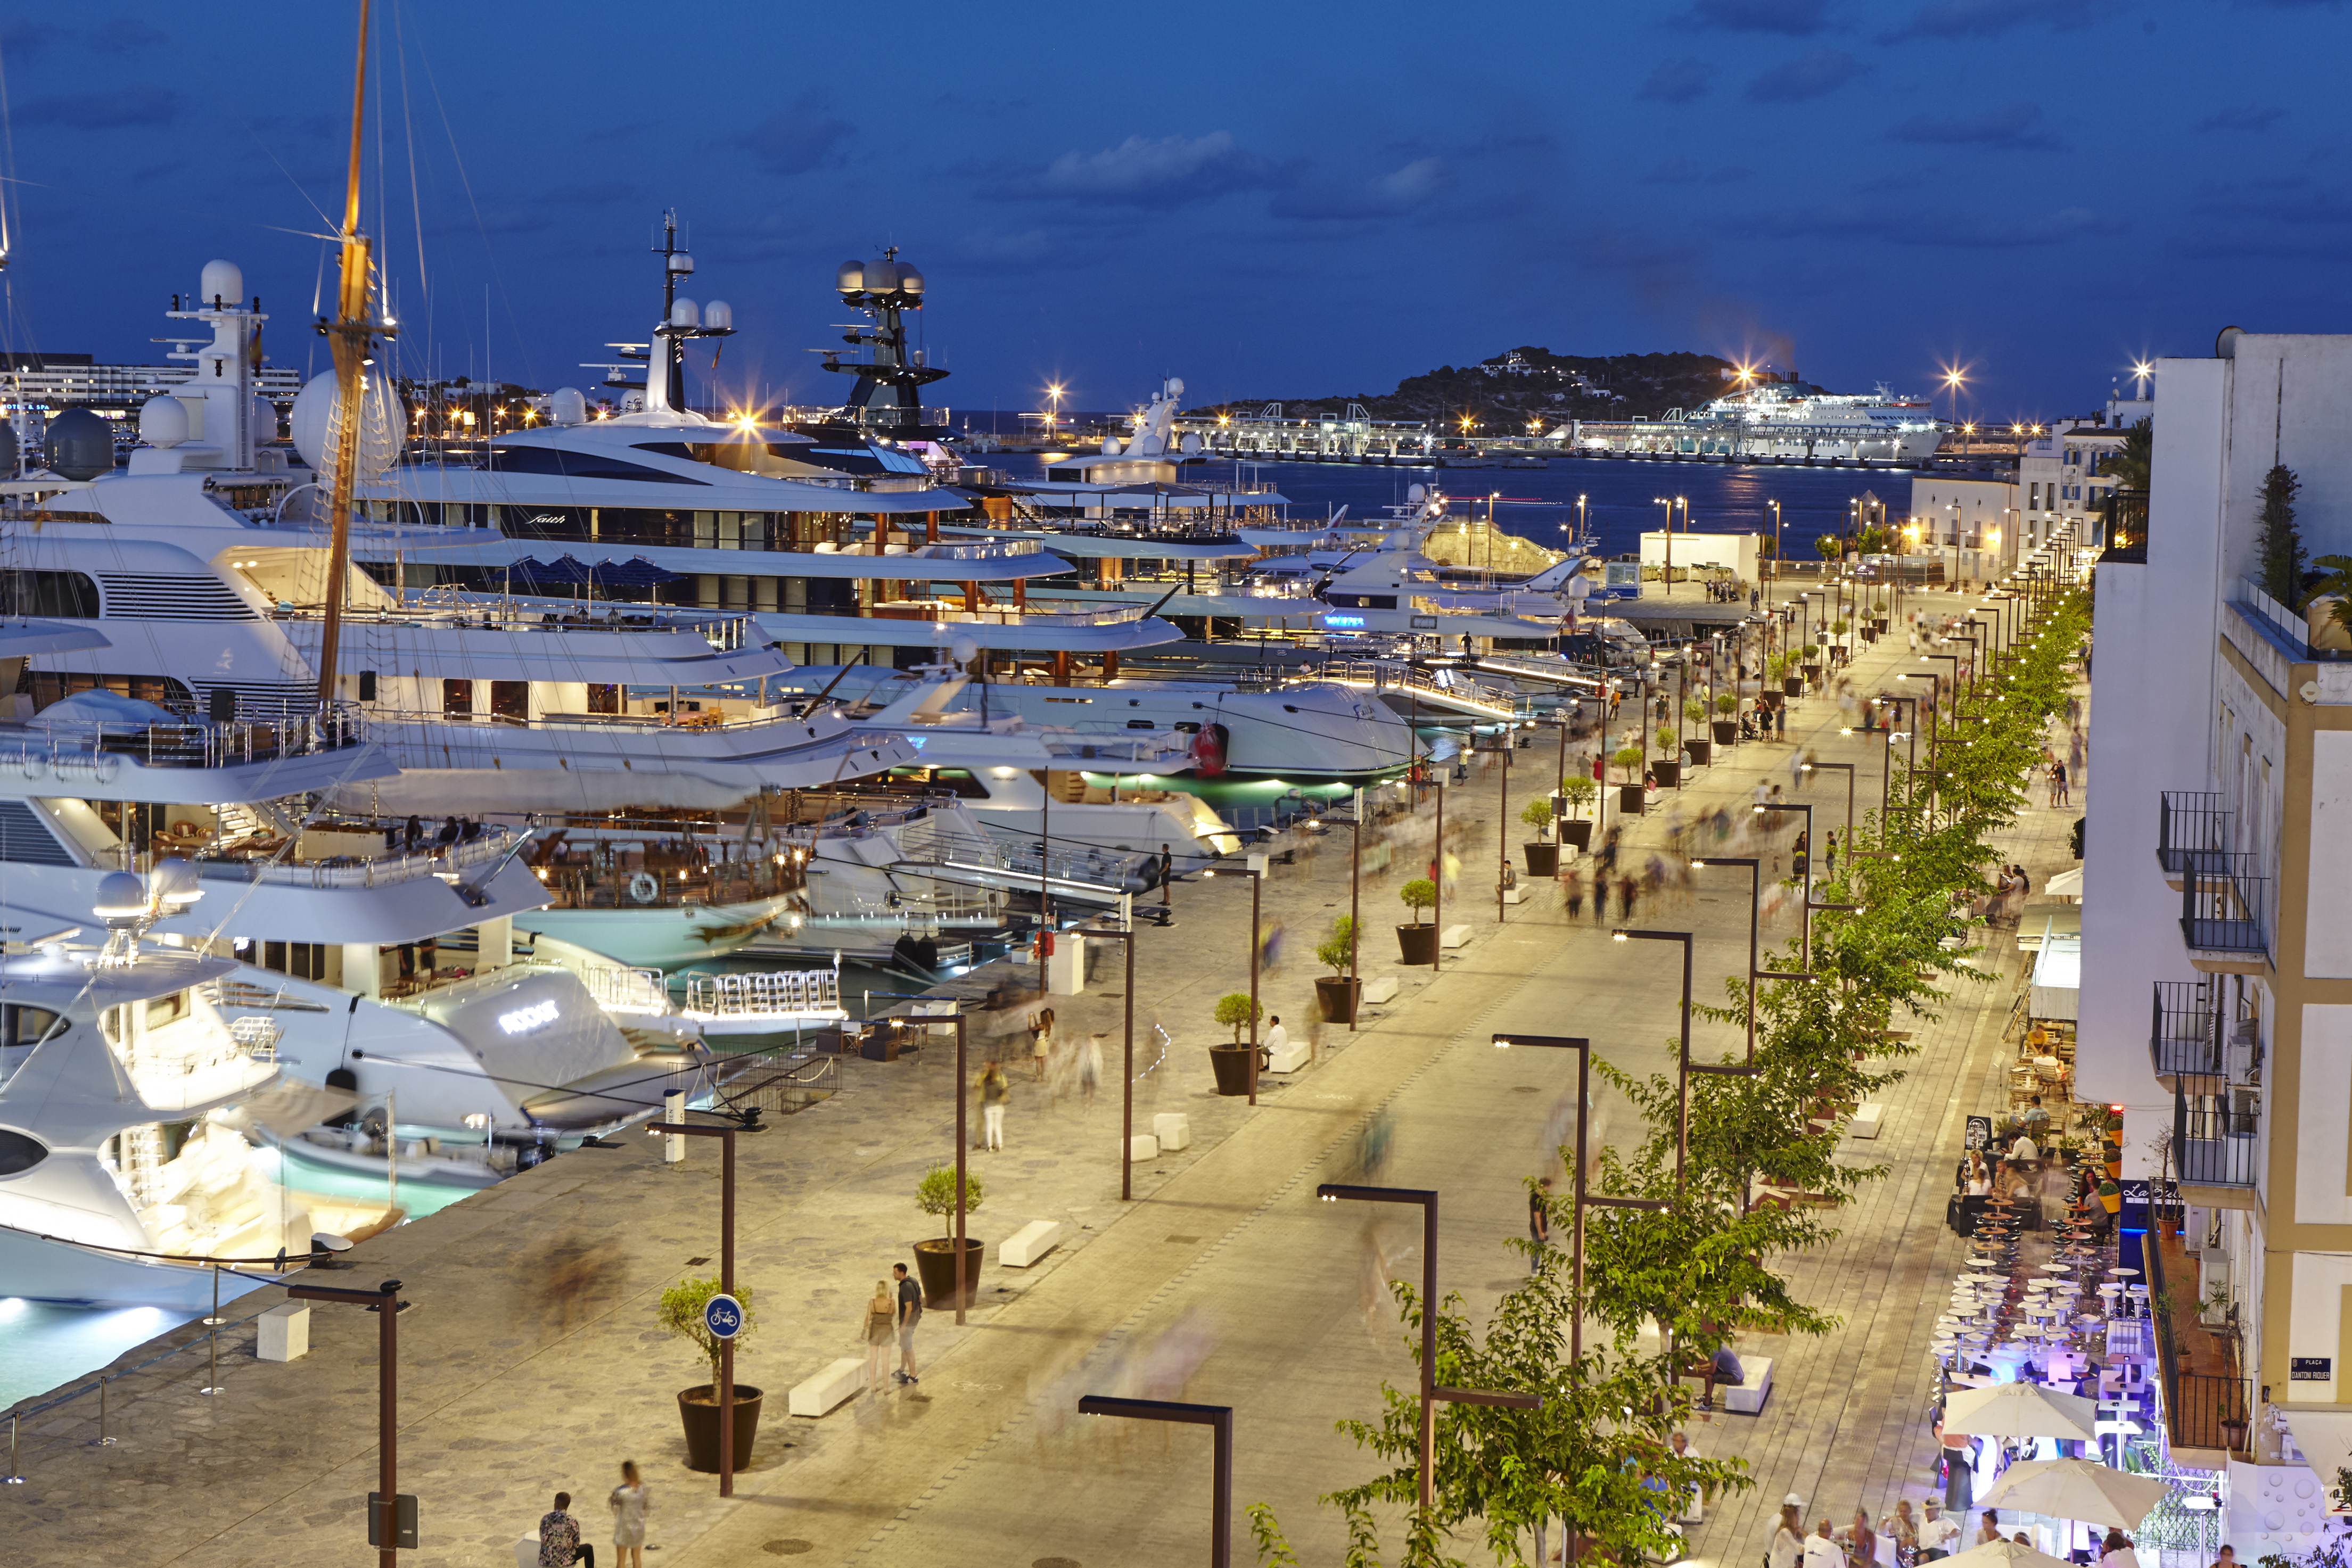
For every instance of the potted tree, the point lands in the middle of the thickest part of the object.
(1631, 798)
(1878, 616)
(1416, 943)
(1337, 991)
(1669, 766)
(1838, 654)
(679, 1313)
(1791, 686)
(1700, 748)
(1231, 1062)
(1543, 858)
(1580, 792)
(1727, 718)
(935, 1258)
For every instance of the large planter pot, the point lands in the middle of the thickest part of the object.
(1336, 994)
(935, 1266)
(1726, 731)
(1417, 944)
(1668, 774)
(1700, 751)
(1232, 1065)
(1577, 830)
(1792, 685)
(697, 1408)
(2113, 1202)
(1543, 860)
(1773, 700)
(1631, 799)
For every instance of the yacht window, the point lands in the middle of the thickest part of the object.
(304, 960)
(19, 1152)
(960, 781)
(67, 595)
(586, 464)
(511, 699)
(456, 699)
(1140, 723)
(46, 686)
(162, 1011)
(25, 1026)
(602, 697)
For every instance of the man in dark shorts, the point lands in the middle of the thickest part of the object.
(910, 1313)
(1539, 1213)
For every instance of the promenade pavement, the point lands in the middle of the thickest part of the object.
(1223, 1283)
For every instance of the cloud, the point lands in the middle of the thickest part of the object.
(1893, 224)
(1677, 81)
(1686, 171)
(1810, 74)
(135, 103)
(804, 135)
(1950, 19)
(2240, 119)
(124, 35)
(1793, 18)
(1155, 171)
(1392, 195)
(2010, 126)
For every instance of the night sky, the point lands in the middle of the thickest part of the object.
(1265, 199)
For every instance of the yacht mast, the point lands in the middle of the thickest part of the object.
(352, 336)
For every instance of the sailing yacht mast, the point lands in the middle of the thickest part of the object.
(352, 336)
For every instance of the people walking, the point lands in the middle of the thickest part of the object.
(629, 1502)
(877, 1325)
(1540, 1217)
(1166, 873)
(1571, 894)
(560, 1545)
(910, 1314)
(1041, 1040)
(994, 1091)
(1090, 1067)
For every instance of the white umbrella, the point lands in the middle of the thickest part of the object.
(2023, 1410)
(2005, 1554)
(2065, 884)
(2075, 1489)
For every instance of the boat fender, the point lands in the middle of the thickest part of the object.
(1208, 750)
(643, 887)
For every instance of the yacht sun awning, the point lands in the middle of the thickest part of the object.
(2057, 978)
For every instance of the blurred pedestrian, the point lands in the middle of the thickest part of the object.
(1540, 1217)
(876, 1326)
(994, 1091)
(629, 1502)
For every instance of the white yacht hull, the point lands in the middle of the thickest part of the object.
(45, 1270)
(1313, 730)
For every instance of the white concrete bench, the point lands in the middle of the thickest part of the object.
(283, 1333)
(1453, 936)
(1868, 1118)
(1517, 893)
(1173, 1129)
(527, 1551)
(839, 1381)
(1382, 989)
(1143, 1147)
(1029, 1243)
(1747, 1399)
(1289, 1059)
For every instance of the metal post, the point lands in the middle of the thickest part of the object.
(388, 1421)
(1219, 1419)
(1501, 832)
(1437, 905)
(103, 1440)
(727, 1286)
(964, 1148)
(1428, 1351)
(1257, 880)
(1355, 903)
(14, 1478)
(1127, 1089)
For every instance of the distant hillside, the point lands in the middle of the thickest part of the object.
(1527, 384)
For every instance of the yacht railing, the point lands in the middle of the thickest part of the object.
(726, 633)
(1075, 871)
(756, 995)
(69, 747)
(1456, 691)
(581, 723)
(214, 865)
(1076, 613)
(620, 991)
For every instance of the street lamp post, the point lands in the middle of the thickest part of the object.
(1686, 1065)
(383, 1520)
(1257, 881)
(1353, 821)
(1755, 925)
(1127, 1076)
(1769, 810)
(748, 1121)
(1219, 1419)
(1779, 553)
(1848, 770)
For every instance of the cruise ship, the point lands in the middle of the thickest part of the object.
(1779, 421)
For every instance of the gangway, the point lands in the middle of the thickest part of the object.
(763, 1002)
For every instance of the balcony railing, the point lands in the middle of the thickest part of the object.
(2213, 1140)
(2183, 1038)
(2191, 826)
(2224, 907)
(2126, 520)
(2201, 1410)
(74, 748)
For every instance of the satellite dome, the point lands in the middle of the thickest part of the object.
(568, 406)
(965, 649)
(382, 425)
(81, 444)
(909, 280)
(881, 277)
(224, 281)
(685, 313)
(267, 424)
(164, 420)
(121, 896)
(849, 277)
(718, 316)
(1175, 387)
(1111, 445)
(1414, 495)
(7, 450)
(174, 882)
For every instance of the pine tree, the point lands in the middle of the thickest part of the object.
(2281, 547)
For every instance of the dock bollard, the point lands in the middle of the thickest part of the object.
(103, 1440)
(14, 1478)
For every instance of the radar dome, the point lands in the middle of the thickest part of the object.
(1175, 386)
(174, 882)
(718, 316)
(909, 280)
(267, 421)
(568, 406)
(965, 649)
(223, 281)
(121, 896)
(1414, 495)
(81, 444)
(381, 425)
(164, 420)
(881, 277)
(849, 277)
(684, 313)
(1111, 445)
(1190, 444)
(7, 450)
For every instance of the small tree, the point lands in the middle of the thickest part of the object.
(1666, 743)
(1695, 710)
(1580, 791)
(1536, 814)
(1829, 546)
(680, 1313)
(1418, 895)
(1236, 1007)
(935, 1194)
(1334, 951)
(1630, 759)
(1725, 704)
(2281, 545)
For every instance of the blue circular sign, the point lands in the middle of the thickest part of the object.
(723, 1316)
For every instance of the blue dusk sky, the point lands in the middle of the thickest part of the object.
(1267, 200)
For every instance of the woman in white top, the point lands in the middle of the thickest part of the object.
(629, 1501)
(2115, 1552)
(1788, 1539)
